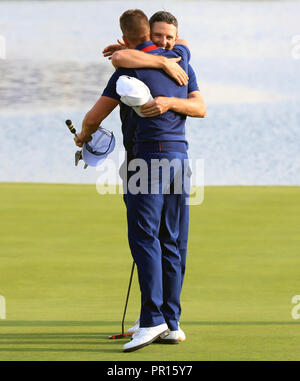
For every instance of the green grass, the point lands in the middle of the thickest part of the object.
(65, 266)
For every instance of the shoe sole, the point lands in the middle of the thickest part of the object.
(165, 333)
(162, 340)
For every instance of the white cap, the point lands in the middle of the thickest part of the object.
(133, 92)
(95, 151)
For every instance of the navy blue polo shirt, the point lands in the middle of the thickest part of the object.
(127, 114)
(192, 84)
(169, 126)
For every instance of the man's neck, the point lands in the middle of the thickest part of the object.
(144, 39)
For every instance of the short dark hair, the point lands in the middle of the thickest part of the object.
(135, 25)
(164, 16)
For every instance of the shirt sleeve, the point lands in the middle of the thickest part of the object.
(192, 84)
(183, 51)
(111, 87)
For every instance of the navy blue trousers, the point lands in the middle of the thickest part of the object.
(157, 233)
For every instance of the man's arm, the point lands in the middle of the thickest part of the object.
(92, 120)
(135, 59)
(111, 49)
(193, 106)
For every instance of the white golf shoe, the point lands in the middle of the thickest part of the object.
(145, 336)
(174, 337)
(131, 330)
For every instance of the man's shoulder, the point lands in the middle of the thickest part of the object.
(118, 72)
(110, 89)
(122, 71)
(178, 51)
(182, 50)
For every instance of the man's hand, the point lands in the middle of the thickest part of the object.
(192, 106)
(181, 41)
(92, 120)
(175, 71)
(81, 138)
(158, 106)
(111, 49)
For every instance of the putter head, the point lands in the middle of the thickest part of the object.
(78, 156)
(120, 336)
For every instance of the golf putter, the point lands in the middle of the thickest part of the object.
(122, 335)
(78, 154)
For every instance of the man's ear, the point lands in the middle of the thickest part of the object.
(126, 42)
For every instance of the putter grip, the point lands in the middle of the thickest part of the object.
(71, 127)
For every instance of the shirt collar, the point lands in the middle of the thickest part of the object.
(146, 46)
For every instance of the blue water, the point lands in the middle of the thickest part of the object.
(241, 52)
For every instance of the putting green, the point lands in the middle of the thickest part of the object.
(65, 266)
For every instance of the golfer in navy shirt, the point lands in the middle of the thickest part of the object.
(164, 34)
(153, 217)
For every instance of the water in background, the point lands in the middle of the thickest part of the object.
(241, 52)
